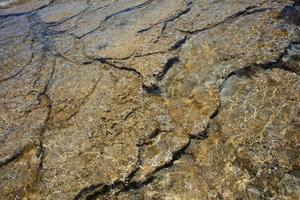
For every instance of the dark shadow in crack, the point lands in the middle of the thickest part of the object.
(291, 13)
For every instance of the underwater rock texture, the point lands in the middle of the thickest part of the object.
(149, 99)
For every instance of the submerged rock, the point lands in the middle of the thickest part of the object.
(149, 99)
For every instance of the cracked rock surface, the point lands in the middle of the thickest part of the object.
(149, 99)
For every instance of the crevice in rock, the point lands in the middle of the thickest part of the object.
(116, 14)
(174, 47)
(286, 56)
(96, 188)
(67, 19)
(106, 61)
(178, 44)
(251, 69)
(129, 9)
(18, 72)
(247, 11)
(169, 64)
(29, 12)
(170, 19)
(130, 113)
(85, 99)
(44, 99)
(165, 23)
(245, 71)
(10, 158)
(204, 135)
(161, 33)
(150, 138)
(40, 33)
(148, 54)
(43, 130)
(101, 7)
(291, 13)
(175, 156)
(37, 33)
(152, 89)
(94, 191)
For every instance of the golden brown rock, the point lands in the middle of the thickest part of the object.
(149, 99)
(254, 147)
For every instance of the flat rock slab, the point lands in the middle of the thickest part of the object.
(149, 99)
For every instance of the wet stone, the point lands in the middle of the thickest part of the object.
(149, 99)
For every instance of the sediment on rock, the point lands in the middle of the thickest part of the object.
(149, 99)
